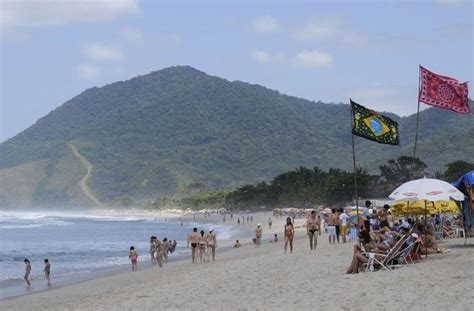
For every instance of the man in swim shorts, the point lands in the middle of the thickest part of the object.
(194, 240)
(332, 220)
(313, 229)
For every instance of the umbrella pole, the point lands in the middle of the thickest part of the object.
(426, 246)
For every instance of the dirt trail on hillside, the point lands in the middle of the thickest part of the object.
(83, 183)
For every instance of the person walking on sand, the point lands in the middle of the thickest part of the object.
(238, 221)
(47, 270)
(194, 239)
(269, 222)
(166, 246)
(258, 236)
(202, 246)
(332, 227)
(313, 229)
(133, 256)
(289, 234)
(343, 219)
(211, 244)
(152, 249)
(159, 251)
(27, 271)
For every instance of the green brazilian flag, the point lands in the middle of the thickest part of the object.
(374, 126)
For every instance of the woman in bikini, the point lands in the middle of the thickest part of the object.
(133, 256)
(202, 245)
(194, 240)
(152, 250)
(289, 234)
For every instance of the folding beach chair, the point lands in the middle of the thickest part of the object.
(384, 260)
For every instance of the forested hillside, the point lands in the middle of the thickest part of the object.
(177, 131)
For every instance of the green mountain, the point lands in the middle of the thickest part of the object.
(178, 130)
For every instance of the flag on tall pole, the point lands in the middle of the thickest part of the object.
(373, 125)
(443, 92)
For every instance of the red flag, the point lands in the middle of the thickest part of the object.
(443, 92)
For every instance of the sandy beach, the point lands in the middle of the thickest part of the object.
(267, 279)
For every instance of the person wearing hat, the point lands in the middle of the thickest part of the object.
(211, 244)
(258, 235)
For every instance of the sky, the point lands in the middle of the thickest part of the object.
(330, 51)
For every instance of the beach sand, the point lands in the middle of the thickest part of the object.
(267, 279)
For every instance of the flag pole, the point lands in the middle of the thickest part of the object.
(417, 121)
(354, 168)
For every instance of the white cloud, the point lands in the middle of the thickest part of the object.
(312, 59)
(452, 2)
(88, 72)
(315, 31)
(24, 13)
(265, 24)
(99, 52)
(133, 35)
(261, 56)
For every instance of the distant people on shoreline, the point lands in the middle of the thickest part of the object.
(47, 270)
(27, 271)
(289, 234)
(258, 235)
(133, 256)
(269, 222)
(194, 240)
(211, 244)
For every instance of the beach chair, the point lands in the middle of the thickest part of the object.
(385, 260)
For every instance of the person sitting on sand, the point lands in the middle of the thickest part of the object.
(258, 235)
(237, 244)
(275, 238)
(289, 234)
(133, 256)
(211, 244)
(430, 246)
(202, 246)
(27, 271)
(194, 240)
(359, 256)
(313, 229)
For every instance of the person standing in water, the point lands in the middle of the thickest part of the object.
(27, 271)
(258, 236)
(313, 228)
(194, 240)
(47, 270)
(133, 256)
(152, 250)
(211, 244)
(289, 234)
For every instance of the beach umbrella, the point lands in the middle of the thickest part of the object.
(426, 189)
(361, 219)
(404, 208)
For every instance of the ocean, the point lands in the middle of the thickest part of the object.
(82, 246)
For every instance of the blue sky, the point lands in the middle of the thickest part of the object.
(319, 50)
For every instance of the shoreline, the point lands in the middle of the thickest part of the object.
(268, 279)
(39, 283)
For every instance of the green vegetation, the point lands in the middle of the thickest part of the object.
(178, 132)
(305, 187)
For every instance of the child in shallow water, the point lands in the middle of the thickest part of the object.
(133, 255)
(27, 271)
(47, 270)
